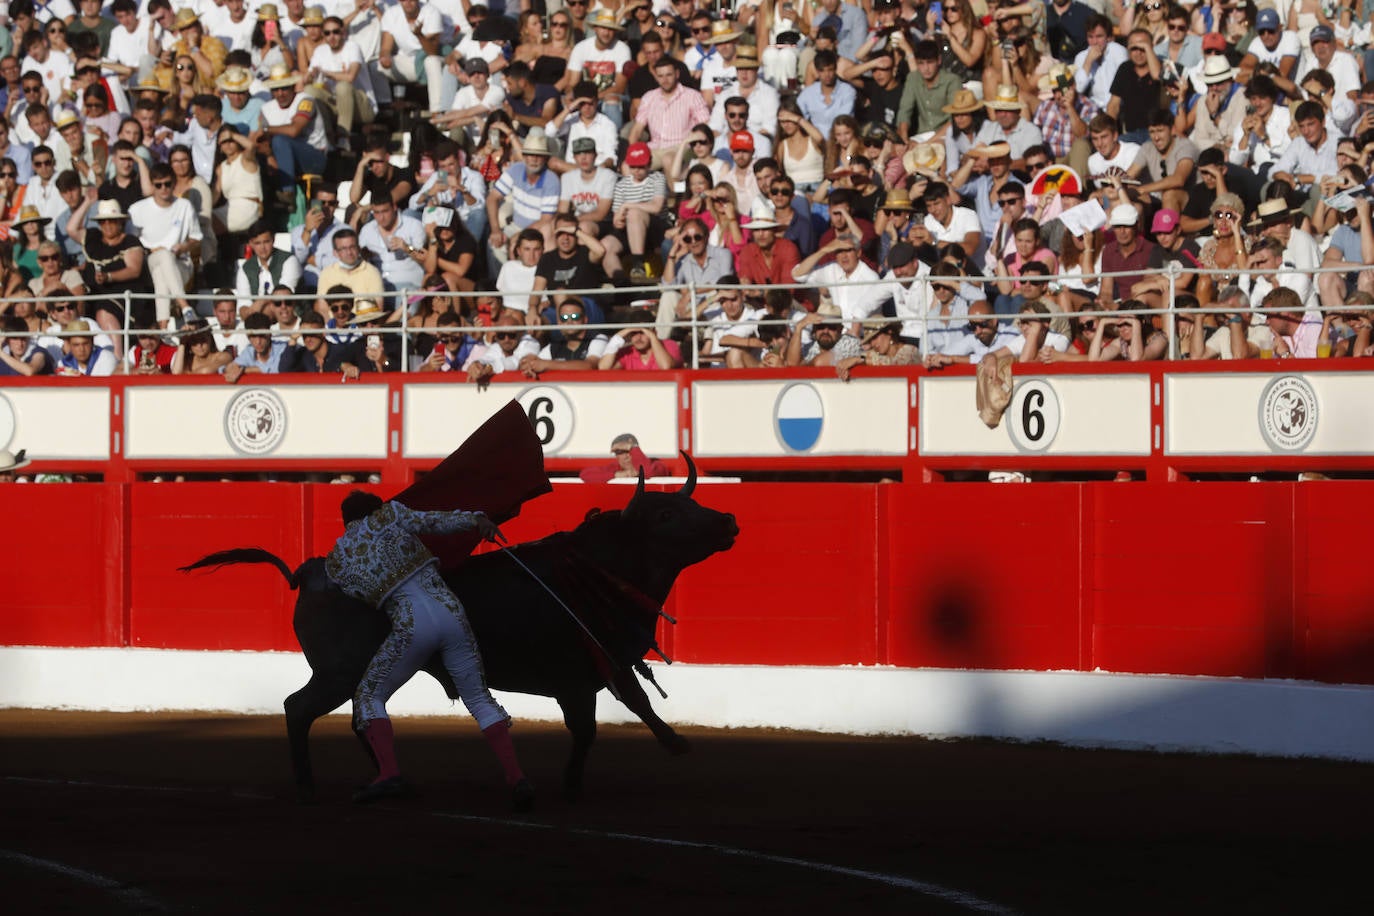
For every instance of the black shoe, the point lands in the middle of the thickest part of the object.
(395, 787)
(522, 796)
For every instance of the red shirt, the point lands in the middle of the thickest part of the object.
(752, 267)
(1114, 260)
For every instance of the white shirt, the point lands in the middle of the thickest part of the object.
(1343, 69)
(855, 302)
(1288, 46)
(602, 130)
(514, 283)
(1124, 158)
(276, 116)
(1275, 127)
(128, 48)
(47, 200)
(720, 325)
(56, 72)
(911, 299)
(401, 29)
(1113, 56)
(962, 221)
(398, 267)
(471, 181)
(467, 97)
(163, 227)
(326, 58)
(763, 113)
(236, 36)
(585, 196)
(718, 77)
(498, 360)
(1053, 340)
(600, 65)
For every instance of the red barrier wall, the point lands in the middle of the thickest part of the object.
(1235, 579)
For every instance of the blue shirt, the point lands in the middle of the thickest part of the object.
(812, 103)
(22, 156)
(853, 31)
(531, 201)
(245, 121)
(248, 359)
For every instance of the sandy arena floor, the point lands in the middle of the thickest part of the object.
(114, 814)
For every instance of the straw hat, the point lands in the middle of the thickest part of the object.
(536, 143)
(991, 150)
(722, 31)
(267, 12)
(148, 84)
(279, 78)
(185, 17)
(602, 18)
(13, 461)
(892, 327)
(829, 310)
(747, 59)
(77, 326)
(897, 199)
(29, 214)
(108, 209)
(1268, 213)
(761, 215)
(314, 15)
(1217, 70)
(235, 79)
(964, 102)
(66, 118)
(924, 157)
(1008, 99)
(365, 310)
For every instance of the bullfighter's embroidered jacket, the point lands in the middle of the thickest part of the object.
(378, 553)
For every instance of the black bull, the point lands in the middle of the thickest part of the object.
(615, 570)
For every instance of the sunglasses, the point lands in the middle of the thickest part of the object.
(182, 68)
(1033, 279)
(56, 30)
(575, 316)
(1010, 201)
(978, 326)
(9, 174)
(559, 24)
(66, 307)
(781, 192)
(689, 239)
(33, 88)
(162, 184)
(42, 162)
(1177, 28)
(507, 335)
(661, 23)
(338, 308)
(705, 31)
(701, 143)
(329, 32)
(47, 257)
(1268, 31)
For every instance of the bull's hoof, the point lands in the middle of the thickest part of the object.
(395, 787)
(522, 796)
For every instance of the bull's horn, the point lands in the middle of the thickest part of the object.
(639, 487)
(691, 483)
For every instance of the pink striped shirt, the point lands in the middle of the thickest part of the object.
(670, 117)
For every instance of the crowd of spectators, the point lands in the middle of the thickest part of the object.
(271, 189)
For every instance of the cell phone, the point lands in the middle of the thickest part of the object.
(439, 349)
(1008, 47)
(374, 341)
(1249, 109)
(937, 9)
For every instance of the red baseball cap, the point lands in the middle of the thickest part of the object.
(741, 139)
(1213, 41)
(638, 155)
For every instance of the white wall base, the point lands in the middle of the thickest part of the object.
(1092, 709)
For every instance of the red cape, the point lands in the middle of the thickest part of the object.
(497, 469)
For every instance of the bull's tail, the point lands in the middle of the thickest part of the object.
(223, 558)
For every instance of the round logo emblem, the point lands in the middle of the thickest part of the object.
(551, 415)
(1033, 415)
(1288, 413)
(255, 421)
(799, 416)
(6, 422)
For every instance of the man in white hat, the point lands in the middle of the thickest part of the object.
(410, 48)
(1217, 115)
(601, 59)
(1126, 250)
(11, 462)
(768, 258)
(296, 129)
(534, 191)
(1007, 126)
(719, 76)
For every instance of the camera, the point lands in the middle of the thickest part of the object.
(1249, 109)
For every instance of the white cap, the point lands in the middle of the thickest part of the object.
(1124, 215)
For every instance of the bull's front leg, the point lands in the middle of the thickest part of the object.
(637, 701)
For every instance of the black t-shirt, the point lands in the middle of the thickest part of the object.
(643, 79)
(1140, 96)
(1239, 181)
(535, 109)
(576, 272)
(1187, 256)
(463, 244)
(108, 258)
(127, 197)
(880, 105)
(381, 187)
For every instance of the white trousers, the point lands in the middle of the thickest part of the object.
(407, 68)
(170, 276)
(426, 617)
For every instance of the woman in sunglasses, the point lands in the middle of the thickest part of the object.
(697, 150)
(199, 354)
(11, 197)
(1152, 15)
(54, 274)
(546, 50)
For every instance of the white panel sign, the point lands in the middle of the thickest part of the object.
(256, 421)
(1048, 415)
(1269, 414)
(576, 420)
(56, 423)
(800, 417)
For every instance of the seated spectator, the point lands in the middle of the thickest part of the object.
(349, 270)
(342, 79)
(20, 354)
(168, 228)
(946, 222)
(376, 176)
(534, 190)
(1297, 330)
(947, 321)
(83, 357)
(473, 102)
(638, 202)
(1126, 250)
(588, 190)
(1036, 334)
(227, 326)
(792, 214)
(517, 277)
(1030, 286)
(452, 348)
(1136, 337)
(451, 251)
(639, 348)
(267, 271)
(884, 347)
(456, 186)
(264, 355)
(131, 181)
(856, 303)
(316, 354)
(732, 328)
(830, 344)
(740, 175)
(691, 260)
(629, 461)
(768, 259)
(574, 262)
(152, 355)
(397, 242)
(511, 347)
(1164, 166)
(295, 131)
(668, 112)
(54, 274)
(312, 242)
(575, 349)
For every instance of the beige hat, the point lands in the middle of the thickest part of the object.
(602, 18)
(235, 79)
(924, 157)
(536, 143)
(829, 310)
(148, 84)
(897, 199)
(365, 310)
(13, 461)
(279, 78)
(1217, 70)
(29, 214)
(267, 12)
(747, 59)
(761, 215)
(991, 150)
(1008, 99)
(964, 102)
(723, 30)
(66, 118)
(108, 209)
(314, 15)
(185, 17)
(1267, 213)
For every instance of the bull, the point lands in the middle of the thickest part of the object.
(616, 569)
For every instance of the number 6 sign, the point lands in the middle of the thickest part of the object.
(1032, 418)
(550, 414)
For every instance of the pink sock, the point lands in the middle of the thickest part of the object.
(379, 737)
(498, 737)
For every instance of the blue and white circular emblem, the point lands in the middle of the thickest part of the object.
(798, 417)
(255, 421)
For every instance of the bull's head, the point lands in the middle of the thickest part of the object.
(687, 531)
